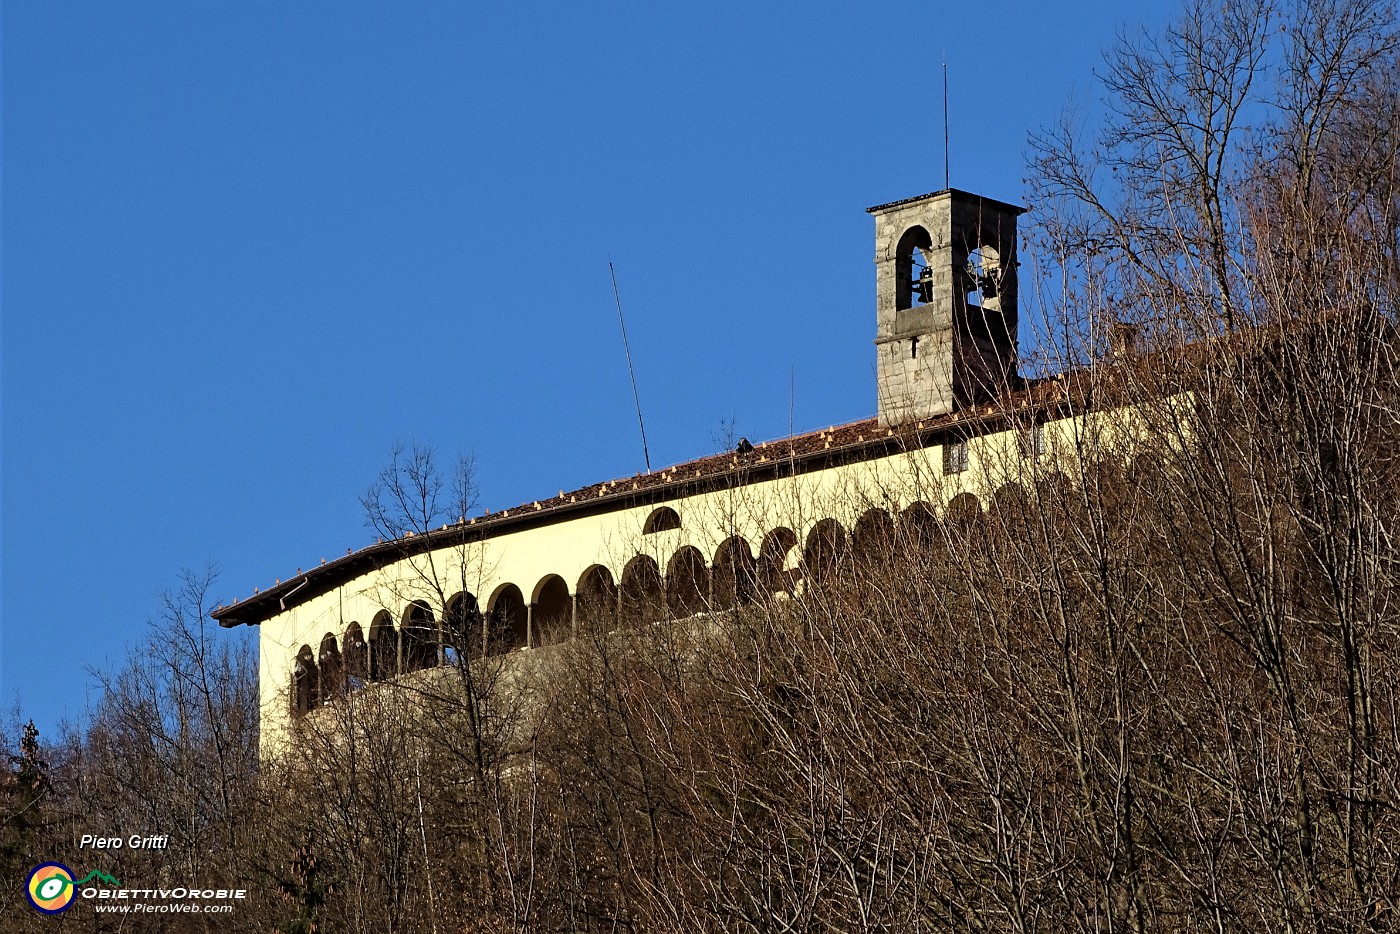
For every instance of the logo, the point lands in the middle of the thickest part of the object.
(50, 888)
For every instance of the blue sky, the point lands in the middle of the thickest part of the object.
(248, 246)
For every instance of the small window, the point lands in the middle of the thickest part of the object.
(1032, 441)
(954, 457)
(661, 520)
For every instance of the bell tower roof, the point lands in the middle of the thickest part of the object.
(965, 196)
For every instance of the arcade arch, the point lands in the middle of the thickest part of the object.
(640, 601)
(419, 635)
(356, 658)
(734, 577)
(773, 573)
(826, 547)
(506, 620)
(304, 686)
(687, 582)
(552, 618)
(597, 600)
(332, 669)
(383, 648)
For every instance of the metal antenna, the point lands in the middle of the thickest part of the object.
(630, 372)
(946, 183)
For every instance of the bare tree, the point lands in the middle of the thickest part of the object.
(1230, 104)
(405, 782)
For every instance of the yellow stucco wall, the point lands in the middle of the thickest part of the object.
(571, 546)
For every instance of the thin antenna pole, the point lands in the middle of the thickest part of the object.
(946, 183)
(792, 385)
(630, 372)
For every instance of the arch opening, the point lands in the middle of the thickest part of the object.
(355, 658)
(964, 514)
(332, 669)
(826, 547)
(1010, 504)
(773, 573)
(983, 275)
(687, 582)
(872, 538)
(553, 616)
(597, 600)
(914, 269)
(305, 693)
(734, 578)
(383, 648)
(420, 639)
(641, 599)
(921, 535)
(507, 621)
(462, 631)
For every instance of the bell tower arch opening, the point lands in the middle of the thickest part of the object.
(914, 269)
(983, 275)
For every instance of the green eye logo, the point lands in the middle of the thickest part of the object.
(50, 888)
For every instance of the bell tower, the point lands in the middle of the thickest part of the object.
(945, 313)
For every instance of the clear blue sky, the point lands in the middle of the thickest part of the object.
(248, 245)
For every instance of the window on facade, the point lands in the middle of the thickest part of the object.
(954, 457)
(1032, 441)
(662, 519)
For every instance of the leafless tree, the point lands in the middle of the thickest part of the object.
(1231, 106)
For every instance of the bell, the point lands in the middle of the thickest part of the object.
(923, 286)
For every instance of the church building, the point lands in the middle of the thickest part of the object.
(953, 420)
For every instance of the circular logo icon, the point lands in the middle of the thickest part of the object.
(50, 888)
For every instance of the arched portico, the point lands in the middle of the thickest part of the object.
(552, 612)
(773, 574)
(596, 600)
(734, 577)
(507, 621)
(383, 647)
(641, 601)
(687, 582)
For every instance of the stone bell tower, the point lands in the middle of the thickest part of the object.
(945, 285)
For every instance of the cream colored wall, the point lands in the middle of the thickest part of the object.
(571, 546)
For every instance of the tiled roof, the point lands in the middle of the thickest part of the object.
(815, 450)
